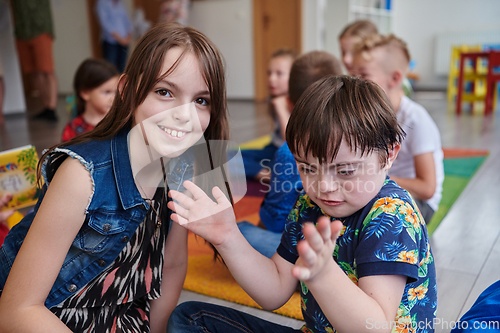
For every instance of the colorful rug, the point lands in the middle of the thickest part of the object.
(213, 279)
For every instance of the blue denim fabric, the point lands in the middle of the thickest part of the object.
(191, 317)
(115, 210)
(255, 160)
(282, 191)
(264, 241)
(116, 54)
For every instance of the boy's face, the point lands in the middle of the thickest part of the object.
(372, 68)
(278, 74)
(346, 184)
(346, 46)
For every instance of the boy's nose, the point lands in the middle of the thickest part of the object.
(328, 184)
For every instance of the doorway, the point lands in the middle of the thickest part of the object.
(277, 24)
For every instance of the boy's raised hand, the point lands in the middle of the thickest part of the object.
(316, 251)
(210, 220)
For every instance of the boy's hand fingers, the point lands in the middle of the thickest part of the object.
(197, 192)
(178, 209)
(301, 273)
(323, 227)
(313, 237)
(178, 219)
(336, 227)
(219, 195)
(306, 253)
(181, 198)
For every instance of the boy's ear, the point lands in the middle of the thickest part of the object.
(396, 79)
(393, 153)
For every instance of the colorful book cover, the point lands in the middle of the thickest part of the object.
(18, 176)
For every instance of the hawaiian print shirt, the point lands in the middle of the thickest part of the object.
(386, 237)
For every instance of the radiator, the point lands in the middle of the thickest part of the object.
(444, 42)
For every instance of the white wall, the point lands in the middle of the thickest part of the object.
(72, 40)
(419, 21)
(229, 24)
(14, 93)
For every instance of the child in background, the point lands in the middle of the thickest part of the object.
(256, 161)
(4, 215)
(351, 35)
(419, 167)
(345, 136)
(95, 86)
(101, 254)
(285, 184)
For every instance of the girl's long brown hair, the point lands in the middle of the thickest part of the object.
(142, 73)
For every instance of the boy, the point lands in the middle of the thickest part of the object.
(344, 136)
(419, 167)
(285, 184)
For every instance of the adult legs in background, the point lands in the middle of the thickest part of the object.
(37, 60)
(264, 241)
(115, 54)
(190, 317)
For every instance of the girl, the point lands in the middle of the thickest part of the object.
(258, 163)
(101, 254)
(351, 35)
(95, 87)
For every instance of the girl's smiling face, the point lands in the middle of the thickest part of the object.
(347, 183)
(177, 111)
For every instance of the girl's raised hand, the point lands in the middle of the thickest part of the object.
(213, 221)
(316, 251)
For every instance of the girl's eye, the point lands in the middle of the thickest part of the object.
(202, 101)
(164, 92)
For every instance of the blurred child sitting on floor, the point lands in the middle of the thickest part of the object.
(95, 86)
(419, 166)
(256, 161)
(285, 184)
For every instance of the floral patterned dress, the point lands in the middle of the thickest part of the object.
(118, 300)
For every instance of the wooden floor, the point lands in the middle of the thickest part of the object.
(466, 245)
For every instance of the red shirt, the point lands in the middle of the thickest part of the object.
(75, 127)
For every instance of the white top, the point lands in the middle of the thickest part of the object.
(422, 136)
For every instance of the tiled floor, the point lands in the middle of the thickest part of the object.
(466, 245)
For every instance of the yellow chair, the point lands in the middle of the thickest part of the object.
(454, 71)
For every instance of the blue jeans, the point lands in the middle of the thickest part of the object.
(115, 54)
(255, 160)
(205, 317)
(264, 241)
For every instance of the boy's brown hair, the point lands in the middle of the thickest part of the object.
(391, 43)
(285, 52)
(338, 108)
(361, 29)
(309, 68)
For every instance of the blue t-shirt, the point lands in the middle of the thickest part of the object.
(386, 237)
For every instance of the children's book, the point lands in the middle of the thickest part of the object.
(18, 176)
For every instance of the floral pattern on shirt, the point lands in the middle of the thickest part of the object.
(387, 237)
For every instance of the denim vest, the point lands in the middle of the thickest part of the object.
(113, 214)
